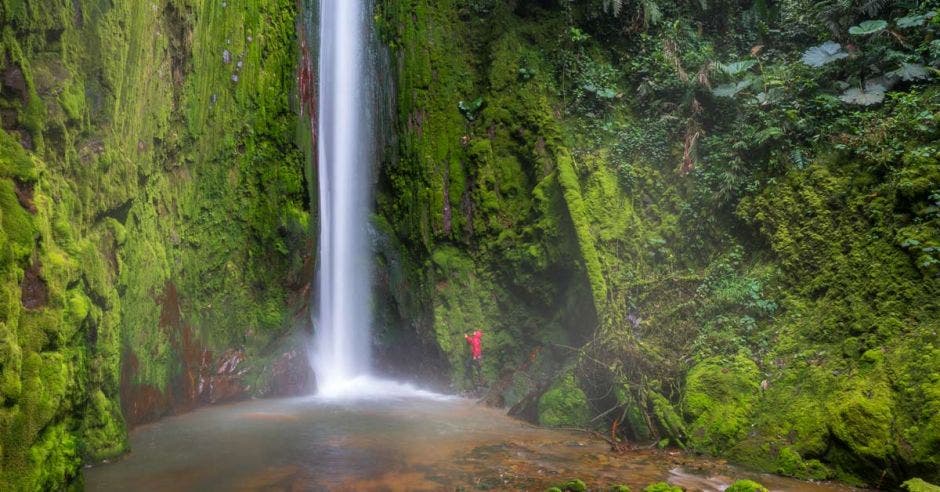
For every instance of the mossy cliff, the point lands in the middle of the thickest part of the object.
(698, 224)
(477, 208)
(154, 218)
(753, 278)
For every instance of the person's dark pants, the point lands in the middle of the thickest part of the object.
(475, 370)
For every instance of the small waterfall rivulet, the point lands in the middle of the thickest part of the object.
(346, 155)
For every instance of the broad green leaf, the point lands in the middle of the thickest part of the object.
(731, 90)
(469, 109)
(910, 72)
(601, 92)
(769, 95)
(737, 67)
(910, 21)
(827, 52)
(870, 95)
(913, 20)
(868, 27)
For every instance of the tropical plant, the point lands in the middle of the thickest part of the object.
(881, 58)
(471, 109)
(649, 10)
(824, 54)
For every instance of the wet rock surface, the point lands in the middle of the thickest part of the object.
(35, 294)
(205, 377)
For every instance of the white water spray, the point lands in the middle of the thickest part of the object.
(346, 147)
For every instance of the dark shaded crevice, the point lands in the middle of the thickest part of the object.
(118, 213)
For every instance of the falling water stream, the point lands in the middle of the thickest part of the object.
(359, 432)
(346, 151)
(348, 108)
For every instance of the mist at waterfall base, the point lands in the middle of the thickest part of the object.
(341, 352)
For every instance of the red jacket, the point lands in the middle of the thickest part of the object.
(476, 346)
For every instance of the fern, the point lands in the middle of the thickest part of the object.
(651, 12)
(798, 158)
(832, 13)
(613, 7)
(838, 14)
(872, 7)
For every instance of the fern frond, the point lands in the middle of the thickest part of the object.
(613, 7)
(651, 13)
(872, 7)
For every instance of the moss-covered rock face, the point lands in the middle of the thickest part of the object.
(564, 405)
(477, 202)
(720, 397)
(755, 277)
(732, 276)
(153, 216)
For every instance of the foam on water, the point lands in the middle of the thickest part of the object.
(369, 388)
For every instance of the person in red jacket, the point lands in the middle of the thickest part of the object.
(475, 363)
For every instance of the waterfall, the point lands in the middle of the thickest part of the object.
(346, 156)
(349, 106)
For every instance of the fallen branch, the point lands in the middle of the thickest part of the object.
(615, 446)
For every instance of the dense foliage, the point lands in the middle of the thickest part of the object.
(750, 190)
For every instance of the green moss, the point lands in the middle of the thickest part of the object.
(862, 419)
(719, 399)
(634, 416)
(11, 359)
(572, 191)
(18, 225)
(14, 161)
(72, 100)
(746, 486)
(790, 463)
(662, 487)
(667, 418)
(465, 304)
(573, 485)
(103, 433)
(564, 405)
(54, 459)
(918, 485)
(148, 166)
